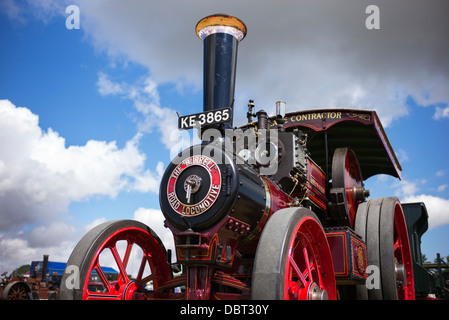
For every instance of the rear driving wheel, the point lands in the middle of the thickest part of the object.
(396, 261)
(389, 250)
(130, 248)
(293, 259)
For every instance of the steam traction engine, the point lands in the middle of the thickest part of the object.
(275, 209)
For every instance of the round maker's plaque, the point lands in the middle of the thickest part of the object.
(194, 186)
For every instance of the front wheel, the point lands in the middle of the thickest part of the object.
(293, 260)
(113, 261)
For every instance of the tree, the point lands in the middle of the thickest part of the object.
(21, 270)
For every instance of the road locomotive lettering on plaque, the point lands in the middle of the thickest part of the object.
(186, 193)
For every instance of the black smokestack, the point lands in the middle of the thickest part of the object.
(44, 268)
(221, 35)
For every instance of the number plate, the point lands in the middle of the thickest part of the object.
(205, 118)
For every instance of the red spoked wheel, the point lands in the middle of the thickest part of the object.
(130, 248)
(383, 226)
(293, 259)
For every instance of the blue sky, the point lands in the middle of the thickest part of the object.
(88, 116)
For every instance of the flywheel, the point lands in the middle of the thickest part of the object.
(347, 190)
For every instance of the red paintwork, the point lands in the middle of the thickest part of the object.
(349, 256)
(316, 186)
(402, 253)
(124, 288)
(309, 262)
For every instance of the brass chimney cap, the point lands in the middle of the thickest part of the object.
(220, 23)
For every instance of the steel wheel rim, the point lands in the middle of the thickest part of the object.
(346, 174)
(87, 256)
(389, 249)
(402, 257)
(306, 277)
(17, 291)
(124, 288)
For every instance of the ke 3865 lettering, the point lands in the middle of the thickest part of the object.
(204, 118)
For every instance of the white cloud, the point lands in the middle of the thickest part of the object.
(148, 180)
(12, 10)
(40, 176)
(437, 208)
(155, 220)
(41, 165)
(49, 235)
(402, 156)
(441, 113)
(405, 188)
(409, 191)
(14, 249)
(37, 165)
(107, 87)
(146, 101)
(94, 223)
(309, 53)
(440, 173)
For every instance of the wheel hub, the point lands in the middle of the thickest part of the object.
(129, 289)
(399, 270)
(293, 290)
(315, 293)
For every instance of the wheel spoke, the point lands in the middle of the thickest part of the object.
(147, 279)
(122, 269)
(298, 272)
(127, 254)
(103, 296)
(396, 245)
(143, 263)
(310, 265)
(102, 276)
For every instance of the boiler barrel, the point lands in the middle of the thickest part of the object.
(218, 187)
